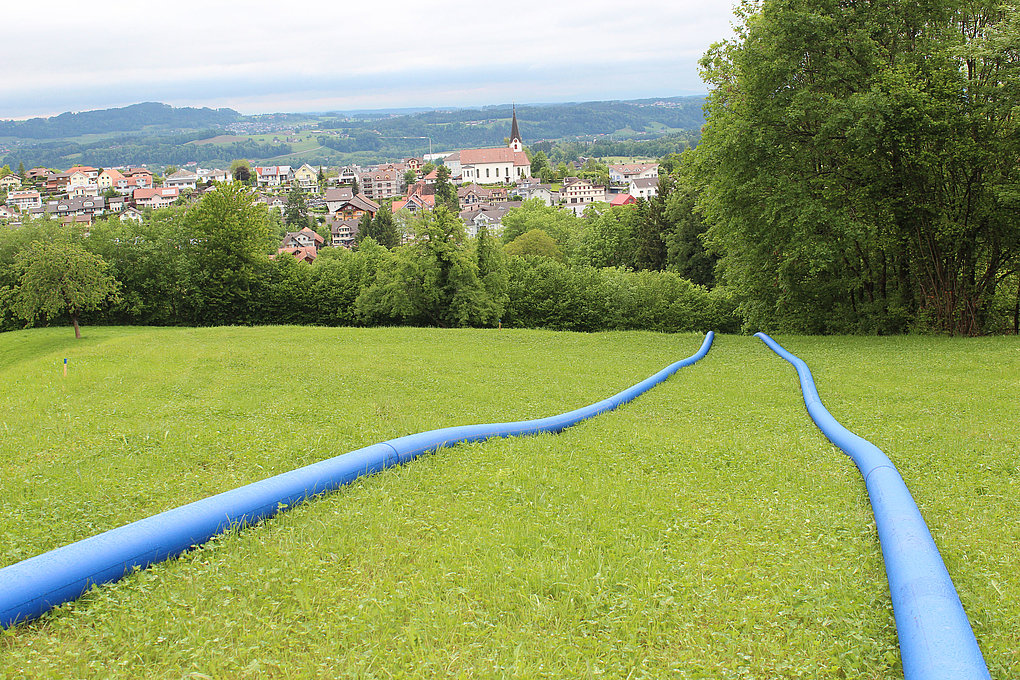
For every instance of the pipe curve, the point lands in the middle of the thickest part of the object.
(33, 586)
(936, 639)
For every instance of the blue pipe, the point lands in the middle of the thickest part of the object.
(936, 640)
(31, 587)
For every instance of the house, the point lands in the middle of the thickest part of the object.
(24, 200)
(343, 232)
(10, 182)
(380, 184)
(56, 182)
(274, 203)
(131, 214)
(347, 175)
(182, 179)
(488, 216)
(580, 192)
(543, 192)
(626, 172)
(83, 190)
(90, 174)
(78, 220)
(215, 175)
(38, 173)
(342, 202)
(415, 203)
(76, 207)
(644, 188)
(306, 238)
(300, 254)
(273, 175)
(472, 194)
(116, 204)
(155, 198)
(307, 179)
(492, 166)
(622, 199)
(108, 178)
(8, 213)
(413, 164)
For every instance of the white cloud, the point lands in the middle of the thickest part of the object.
(260, 51)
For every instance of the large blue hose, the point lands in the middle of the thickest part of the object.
(936, 640)
(31, 587)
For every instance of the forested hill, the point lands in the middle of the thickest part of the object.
(490, 124)
(132, 118)
(157, 134)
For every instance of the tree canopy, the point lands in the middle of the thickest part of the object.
(60, 277)
(859, 170)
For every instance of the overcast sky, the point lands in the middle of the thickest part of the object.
(259, 57)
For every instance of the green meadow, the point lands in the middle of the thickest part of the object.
(705, 530)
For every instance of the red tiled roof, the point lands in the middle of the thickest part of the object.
(500, 154)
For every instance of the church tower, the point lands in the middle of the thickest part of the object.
(515, 134)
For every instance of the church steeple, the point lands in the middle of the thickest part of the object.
(515, 134)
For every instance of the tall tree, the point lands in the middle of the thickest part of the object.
(231, 240)
(295, 214)
(62, 277)
(446, 192)
(384, 231)
(860, 163)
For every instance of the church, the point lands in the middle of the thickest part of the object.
(499, 165)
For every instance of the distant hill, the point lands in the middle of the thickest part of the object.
(126, 119)
(159, 134)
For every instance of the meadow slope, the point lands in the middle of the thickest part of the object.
(706, 530)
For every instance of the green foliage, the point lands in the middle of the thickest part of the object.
(446, 192)
(860, 164)
(61, 277)
(536, 243)
(295, 214)
(563, 226)
(231, 239)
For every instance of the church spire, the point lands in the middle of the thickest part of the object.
(515, 134)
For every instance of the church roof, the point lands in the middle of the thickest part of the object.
(515, 133)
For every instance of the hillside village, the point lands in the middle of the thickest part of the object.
(489, 182)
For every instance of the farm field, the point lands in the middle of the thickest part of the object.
(705, 530)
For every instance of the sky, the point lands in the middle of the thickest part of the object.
(264, 57)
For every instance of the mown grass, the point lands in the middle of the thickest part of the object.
(706, 530)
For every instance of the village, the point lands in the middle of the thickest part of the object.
(489, 182)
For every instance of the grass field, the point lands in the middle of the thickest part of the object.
(706, 530)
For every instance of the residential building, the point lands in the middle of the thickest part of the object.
(644, 188)
(214, 175)
(182, 179)
(300, 254)
(273, 175)
(580, 192)
(76, 207)
(307, 178)
(625, 172)
(10, 182)
(622, 199)
(343, 203)
(155, 198)
(108, 178)
(131, 214)
(24, 200)
(306, 238)
(380, 184)
(38, 173)
(490, 217)
(543, 192)
(343, 232)
(415, 203)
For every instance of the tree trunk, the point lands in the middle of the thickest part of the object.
(77, 331)
(1016, 309)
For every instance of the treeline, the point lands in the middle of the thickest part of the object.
(139, 150)
(123, 119)
(210, 264)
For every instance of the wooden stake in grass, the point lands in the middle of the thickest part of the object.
(65, 367)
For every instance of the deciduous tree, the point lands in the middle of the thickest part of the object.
(62, 277)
